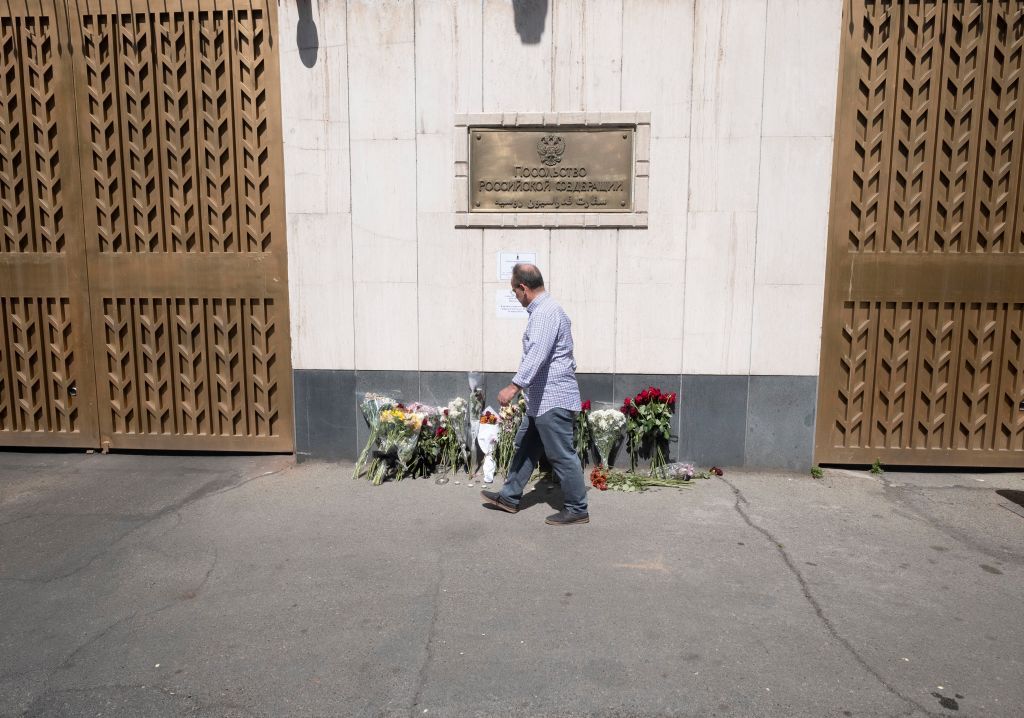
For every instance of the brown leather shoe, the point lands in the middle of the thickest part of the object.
(497, 500)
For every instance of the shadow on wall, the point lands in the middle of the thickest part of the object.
(529, 18)
(305, 34)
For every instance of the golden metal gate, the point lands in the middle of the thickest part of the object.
(143, 278)
(922, 356)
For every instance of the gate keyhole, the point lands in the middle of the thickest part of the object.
(72, 390)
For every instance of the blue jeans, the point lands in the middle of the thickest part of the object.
(551, 434)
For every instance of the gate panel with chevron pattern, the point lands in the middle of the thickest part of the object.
(145, 270)
(922, 356)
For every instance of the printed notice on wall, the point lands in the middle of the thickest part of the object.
(507, 306)
(507, 260)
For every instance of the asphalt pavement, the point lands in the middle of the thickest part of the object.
(157, 585)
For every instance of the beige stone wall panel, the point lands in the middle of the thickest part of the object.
(372, 138)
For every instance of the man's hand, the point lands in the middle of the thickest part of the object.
(507, 394)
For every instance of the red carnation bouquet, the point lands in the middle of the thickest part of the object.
(649, 426)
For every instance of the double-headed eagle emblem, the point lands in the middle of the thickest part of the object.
(550, 149)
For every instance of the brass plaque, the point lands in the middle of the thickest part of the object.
(582, 169)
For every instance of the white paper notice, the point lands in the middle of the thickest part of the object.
(507, 260)
(507, 306)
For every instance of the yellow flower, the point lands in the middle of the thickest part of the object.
(392, 416)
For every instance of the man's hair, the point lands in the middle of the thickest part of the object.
(527, 274)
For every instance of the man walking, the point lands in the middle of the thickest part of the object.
(547, 374)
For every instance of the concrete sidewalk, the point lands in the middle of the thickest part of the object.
(137, 585)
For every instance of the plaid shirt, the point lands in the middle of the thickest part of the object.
(547, 371)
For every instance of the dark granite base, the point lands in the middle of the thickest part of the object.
(780, 422)
(713, 418)
(325, 414)
(753, 421)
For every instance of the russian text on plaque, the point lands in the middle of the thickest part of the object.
(586, 169)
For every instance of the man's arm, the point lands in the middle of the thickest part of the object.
(508, 393)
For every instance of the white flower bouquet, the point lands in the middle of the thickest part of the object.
(452, 436)
(606, 429)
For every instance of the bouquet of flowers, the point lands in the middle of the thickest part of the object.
(509, 420)
(606, 429)
(487, 438)
(397, 436)
(649, 426)
(683, 472)
(427, 455)
(451, 436)
(581, 433)
(372, 405)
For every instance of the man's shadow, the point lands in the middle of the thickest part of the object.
(545, 489)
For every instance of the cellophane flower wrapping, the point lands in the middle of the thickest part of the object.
(451, 435)
(477, 396)
(487, 440)
(427, 455)
(396, 442)
(606, 430)
(680, 470)
(509, 420)
(456, 417)
(371, 405)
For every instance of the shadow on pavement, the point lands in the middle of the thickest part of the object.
(1016, 497)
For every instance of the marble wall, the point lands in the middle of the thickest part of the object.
(726, 280)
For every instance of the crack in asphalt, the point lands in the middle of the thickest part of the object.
(70, 660)
(819, 612)
(428, 659)
(211, 488)
(15, 518)
(92, 559)
(54, 518)
(209, 572)
(216, 487)
(187, 595)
